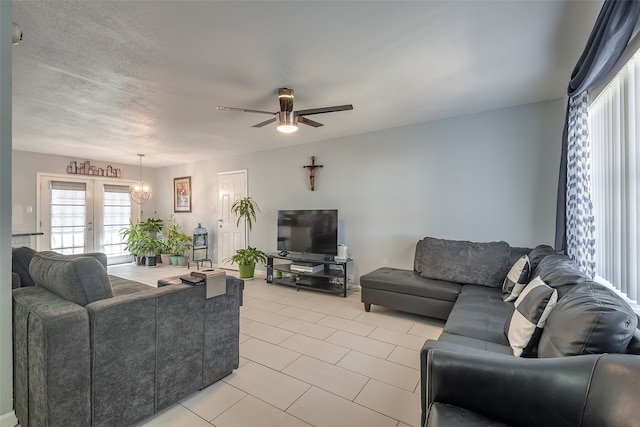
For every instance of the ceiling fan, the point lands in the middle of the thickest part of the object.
(287, 118)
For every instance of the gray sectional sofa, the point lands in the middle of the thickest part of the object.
(470, 374)
(97, 350)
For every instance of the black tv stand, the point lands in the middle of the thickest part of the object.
(332, 277)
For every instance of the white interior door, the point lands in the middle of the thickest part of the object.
(232, 186)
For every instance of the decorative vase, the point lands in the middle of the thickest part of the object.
(246, 270)
(174, 260)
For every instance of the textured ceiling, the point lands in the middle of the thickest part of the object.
(108, 79)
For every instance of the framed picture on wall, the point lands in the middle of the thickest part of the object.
(182, 194)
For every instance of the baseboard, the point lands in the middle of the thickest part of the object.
(8, 420)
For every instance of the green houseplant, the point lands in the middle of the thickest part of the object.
(247, 260)
(152, 226)
(177, 242)
(245, 209)
(150, 246)
(165, 251)
(133, 236)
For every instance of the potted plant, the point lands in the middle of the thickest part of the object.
(152, 226)
(165, 252)
(183, 244)
(150, 246)
(245, 209)
(133, 236)
(177, 242)
(247, 260)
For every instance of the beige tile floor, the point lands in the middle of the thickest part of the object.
(308, 359)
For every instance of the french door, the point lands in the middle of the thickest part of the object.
(79, 215)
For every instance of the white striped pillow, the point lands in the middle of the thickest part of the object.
(516, 279)
(532, 308)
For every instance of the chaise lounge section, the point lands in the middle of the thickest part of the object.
(427, 290)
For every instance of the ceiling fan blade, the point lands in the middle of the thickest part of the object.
(266, 122)
(324, 110)
(243, 110)
(309, 122)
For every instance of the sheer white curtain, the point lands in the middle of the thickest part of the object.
(615, 141)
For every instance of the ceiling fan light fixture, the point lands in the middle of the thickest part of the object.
(287, 122)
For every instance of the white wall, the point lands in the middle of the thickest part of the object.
(7, 416)
(482, 177)
(26, 165)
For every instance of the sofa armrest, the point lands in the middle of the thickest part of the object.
(512, 390)
(52, 376)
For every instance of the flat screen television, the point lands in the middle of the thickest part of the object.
(309, 231)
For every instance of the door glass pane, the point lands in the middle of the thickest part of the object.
(68, 217)
(115, 216)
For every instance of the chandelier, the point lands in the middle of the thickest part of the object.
(140, 192)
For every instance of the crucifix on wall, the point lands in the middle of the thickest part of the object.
(312, 171)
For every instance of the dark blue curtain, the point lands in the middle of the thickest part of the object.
(607, 41)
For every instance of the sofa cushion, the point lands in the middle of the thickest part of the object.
(410, 283)
(101, 257)
(588, 319)
(480, 313)
(465, 262)
(532, 308)
(538, 253)
(81, 280)
(516, 279)
(560, 273)
(634, 344)
(122, 286)
(457, 341)
(20, 260)
(417, 258)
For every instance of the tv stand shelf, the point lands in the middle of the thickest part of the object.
(331, 278)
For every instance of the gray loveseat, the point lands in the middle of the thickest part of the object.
(97, 350)
(470, 374)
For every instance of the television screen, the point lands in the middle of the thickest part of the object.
(312, 231)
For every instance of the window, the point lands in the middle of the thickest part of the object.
(615, 155)
(68, 217)
(116, 211)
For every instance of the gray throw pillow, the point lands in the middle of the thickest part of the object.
(78, 279)
(465, 262)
